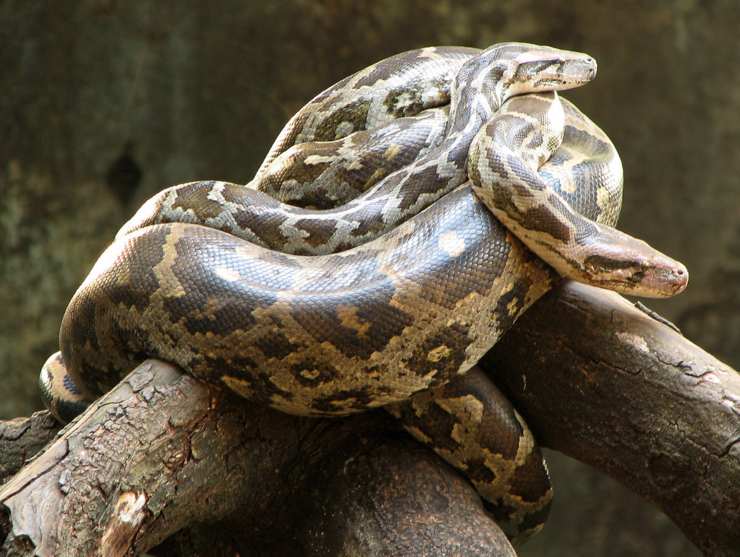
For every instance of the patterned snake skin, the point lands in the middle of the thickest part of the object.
(394, 277)
(482, 83)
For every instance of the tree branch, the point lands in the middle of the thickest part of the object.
(162, 452)
(163, 457)
(22, 438)
(603, 382)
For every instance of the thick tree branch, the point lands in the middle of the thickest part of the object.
(602, 381)
(163, 453)
(22, 438)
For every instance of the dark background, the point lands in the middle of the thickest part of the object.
(103, 103)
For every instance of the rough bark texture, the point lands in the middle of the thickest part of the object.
(602, 381)
(597, 379)
(22, 438)
(162, 452)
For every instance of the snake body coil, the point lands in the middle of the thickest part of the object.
(416, 279)
(481, 85)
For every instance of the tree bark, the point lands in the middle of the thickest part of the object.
(22, 438)
(603, 382)
(163, 460)
(162, 452)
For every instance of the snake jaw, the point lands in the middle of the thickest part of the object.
(672, 280)
(518, 68)
(545, 68)
(643, 272)
(659, 277)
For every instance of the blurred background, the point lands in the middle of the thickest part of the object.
(103, 103)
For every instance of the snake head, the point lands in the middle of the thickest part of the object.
(544, 68)
(528, 68)
(634, 268)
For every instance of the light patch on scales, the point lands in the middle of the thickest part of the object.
(451, 243)
(163, 270)
(433, 94)
(603, 199)
(392, 151)
(429, 52)
(224, 273)
(240, 386)
(439, 353)
(355, 163)
(310, 374)
(526, 441)
(404, 101)
(467, 407)
(419, 435)
(344, 129)
(319, 159)
(348, 317)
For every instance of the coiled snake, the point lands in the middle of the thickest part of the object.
(394, 277)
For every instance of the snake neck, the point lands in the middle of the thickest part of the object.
(473, 98)
(504, 70)
(530, 127)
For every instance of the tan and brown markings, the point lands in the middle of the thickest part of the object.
(331, 335)
(327, 335)
(576, 246)
(60, 394)
(399, 86)
(315, 175)
(481, 85)
(472, 425)
(324, 174)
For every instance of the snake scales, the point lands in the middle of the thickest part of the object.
(393, 278)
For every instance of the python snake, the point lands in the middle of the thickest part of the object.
(210, 275)
(482, 83)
